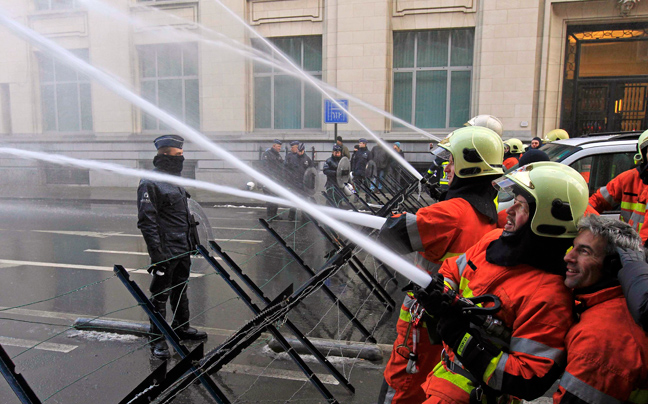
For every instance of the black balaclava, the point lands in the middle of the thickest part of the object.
(478, 192)
(168, 164)
(525, 247)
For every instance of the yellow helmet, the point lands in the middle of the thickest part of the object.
(515, 145)
(560, 194)
(642, 143)
(476, 151)
(487, 121)
(556, 134)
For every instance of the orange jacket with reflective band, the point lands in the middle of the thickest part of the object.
(607, 353)
(446, 229)
(536, 307)
(628, 190)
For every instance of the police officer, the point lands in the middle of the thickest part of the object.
(169, 232)
(439, 231)
(330, 170)
(297, 162)
(273, 166)
(360, 160)
(523, 266)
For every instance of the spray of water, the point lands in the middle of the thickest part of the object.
(288, 66)
(314, 83)
(361, 219)
(382, 253)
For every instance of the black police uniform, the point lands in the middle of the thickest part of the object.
(359, 167)
(296, 167)
(330, 170)
(273, 165)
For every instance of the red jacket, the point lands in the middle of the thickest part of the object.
(536, 307)
(445, 229)
(628, 190)
(607, 353)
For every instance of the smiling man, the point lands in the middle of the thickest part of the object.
(607, 352)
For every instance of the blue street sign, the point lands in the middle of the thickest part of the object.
(334, 114)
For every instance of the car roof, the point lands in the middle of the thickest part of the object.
(601, 139)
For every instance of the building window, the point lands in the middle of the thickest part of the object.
(169, 79)
(282, 101)
(56, 4)
(65, 95)
(432, 77)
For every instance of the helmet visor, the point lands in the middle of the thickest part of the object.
(441, 153)
(514, 180)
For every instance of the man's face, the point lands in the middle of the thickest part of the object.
(535, 144)
(449, 170)
(585, 261)
(277, 147)
(337, 153)
(174, 151)
(396, 148)
(362, 145)
(517, 215)
(294, 148)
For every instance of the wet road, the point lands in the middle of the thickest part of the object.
(56, 264)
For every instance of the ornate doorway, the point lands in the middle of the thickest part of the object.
(606, 79)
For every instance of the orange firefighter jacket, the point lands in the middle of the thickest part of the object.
(536, 308)
(628, 190)
(444, 229)
(607, 353)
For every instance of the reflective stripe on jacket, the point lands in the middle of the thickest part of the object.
(628, 190)
(607, 353)
(536, 307)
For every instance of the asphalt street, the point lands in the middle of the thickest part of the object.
(56, 265)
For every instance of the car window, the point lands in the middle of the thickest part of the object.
(558, 152)
(599, 169)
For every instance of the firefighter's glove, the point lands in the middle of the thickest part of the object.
(474, 352)
(628, 256)
(434, 301)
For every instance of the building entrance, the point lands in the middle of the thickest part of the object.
(606, 79)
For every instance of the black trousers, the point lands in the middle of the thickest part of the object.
(173, 284)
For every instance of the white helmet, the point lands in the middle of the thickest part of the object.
(250, 186)
(487, 121)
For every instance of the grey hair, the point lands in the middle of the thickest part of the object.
(615, 232)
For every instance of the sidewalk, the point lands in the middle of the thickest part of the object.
(111, 195)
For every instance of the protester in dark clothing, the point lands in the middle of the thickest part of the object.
(330, 170)
(273, 166)
(297, 162)
(360, 160)
(170, 234)
(381, 158)
(345, 150)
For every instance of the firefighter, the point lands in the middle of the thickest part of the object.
(522, 265)
(556, 134)
(436, 179)
(513, 150)
(629, 189)
(444, 229)
(607, 353)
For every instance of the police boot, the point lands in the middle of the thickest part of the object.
(184, 331)
(159, 347)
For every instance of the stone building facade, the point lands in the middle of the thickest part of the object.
(581, 65)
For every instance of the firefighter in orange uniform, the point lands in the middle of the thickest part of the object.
(607, 352)
(522, 266)
(629, 189)
(439, 231)
(513, 150)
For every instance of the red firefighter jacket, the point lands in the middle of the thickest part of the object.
(536, 308)
(628, 190)
(607, 354)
